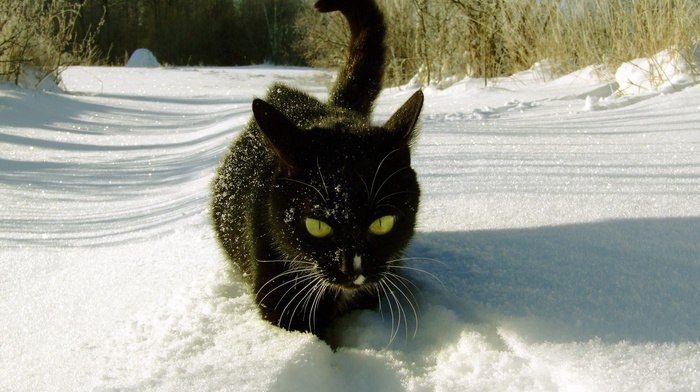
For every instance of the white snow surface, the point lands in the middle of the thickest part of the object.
(563, 219)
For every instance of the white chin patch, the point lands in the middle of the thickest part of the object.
(360, 279)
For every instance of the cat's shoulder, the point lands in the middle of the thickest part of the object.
(300, 107)
(287, 98)
(280, 93)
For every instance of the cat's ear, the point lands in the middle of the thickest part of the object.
(278, 130)
(403, 122)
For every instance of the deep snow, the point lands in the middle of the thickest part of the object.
(562, 218)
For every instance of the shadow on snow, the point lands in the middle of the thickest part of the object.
(634, 280)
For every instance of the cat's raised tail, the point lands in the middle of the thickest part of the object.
(360, 80)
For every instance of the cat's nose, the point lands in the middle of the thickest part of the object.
(352, 267)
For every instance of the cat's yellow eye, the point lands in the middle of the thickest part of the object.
(382, 225)
(317, 228)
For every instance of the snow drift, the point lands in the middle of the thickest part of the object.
(667, 71)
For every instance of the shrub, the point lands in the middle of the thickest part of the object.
(41, 35)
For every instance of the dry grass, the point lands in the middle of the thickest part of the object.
(439, 39)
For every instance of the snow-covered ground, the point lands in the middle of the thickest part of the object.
(562, 220)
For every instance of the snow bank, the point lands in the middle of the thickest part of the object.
(556, 249)
(667, 72)
(142, 58)
(34, 78)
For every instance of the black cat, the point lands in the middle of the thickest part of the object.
(313, 203)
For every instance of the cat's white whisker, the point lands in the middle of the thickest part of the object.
(287, 261)
(292, 282)
(305, 290)
(369, 195)
(419, 259)
(399, 312)
(287, 272)
(316, 287)
(291, 316)
(418, 270)
(380, 285)
(415, 312)
(323, 181)
(322, 289)
(298, 267)
(376, 288)
(374, 196)
(388, 293)
(405, 282)
(306, 184)
(376, 173)
(399, 306)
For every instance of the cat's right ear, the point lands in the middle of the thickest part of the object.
(278, 130)
(403, 122)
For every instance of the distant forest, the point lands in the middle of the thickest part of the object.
(431, 40)
(186, 32)
(428, 41)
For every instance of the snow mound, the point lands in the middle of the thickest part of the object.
(666, 72)
(142, 58)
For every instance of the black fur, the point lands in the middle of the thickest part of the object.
(301, 158)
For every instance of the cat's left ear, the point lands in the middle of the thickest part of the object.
(403, 122)
(278, 130)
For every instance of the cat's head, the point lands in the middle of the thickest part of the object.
(345, 199)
